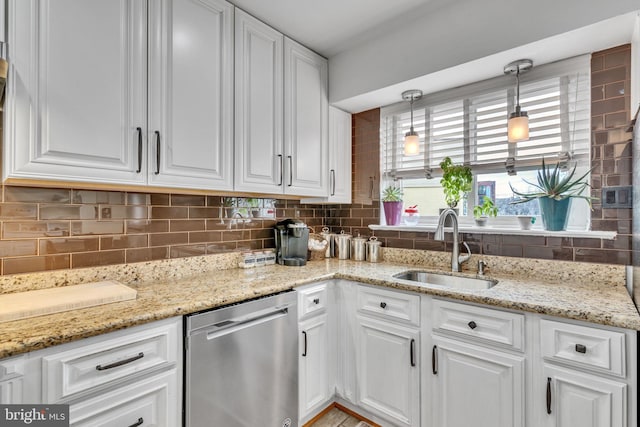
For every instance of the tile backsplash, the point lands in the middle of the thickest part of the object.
(50, 229)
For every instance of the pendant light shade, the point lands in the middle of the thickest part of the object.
(411, 138)
(518, 125)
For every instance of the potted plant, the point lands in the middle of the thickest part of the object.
(392, 203)
(554, 192)
(485, 210)
(456, 181)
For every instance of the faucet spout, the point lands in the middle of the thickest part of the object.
(456, 259)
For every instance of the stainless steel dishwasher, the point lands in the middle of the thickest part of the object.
(241, 364)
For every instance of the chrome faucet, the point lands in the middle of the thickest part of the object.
(456, 258)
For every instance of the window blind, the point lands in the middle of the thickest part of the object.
(469, 123)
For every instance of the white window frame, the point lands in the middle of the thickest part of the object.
(580, 222)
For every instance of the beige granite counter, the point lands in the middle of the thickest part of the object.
(594, 293)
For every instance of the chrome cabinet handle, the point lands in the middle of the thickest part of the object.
(333, 182)
(139, 130)
(383, 305)
(138, 423)
(290, 171)
(157, 172)
(304, 352)
(434, 360)
(371, 187)
(548, 395)
(413, 352)
(281, 169)
(580, 348)
(120, 362)
(472, 325)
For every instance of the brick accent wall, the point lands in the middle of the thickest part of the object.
(611, 158)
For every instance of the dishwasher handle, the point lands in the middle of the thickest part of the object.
(229, 326)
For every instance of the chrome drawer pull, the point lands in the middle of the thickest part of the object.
(139, 423)
(472, 324)
(581, 348)
(120, 363)
(383, 305)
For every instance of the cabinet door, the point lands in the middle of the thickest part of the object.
(76, 94)
(388, 374)
(259, 156)
(472, 386)
(366, 152)
(576, 399)
(305, 121)
(191, 94)
(315, 375)
(339, 156)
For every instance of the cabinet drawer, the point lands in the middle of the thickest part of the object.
(312, 300)
(483, 324)
(593, 348)
(152, 401)
(391, 305)
(109, 359)
(11, 368)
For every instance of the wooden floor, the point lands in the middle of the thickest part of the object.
(336, 418)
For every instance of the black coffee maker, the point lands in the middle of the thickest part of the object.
(292, 240)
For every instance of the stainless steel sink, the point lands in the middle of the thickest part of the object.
(457, 282)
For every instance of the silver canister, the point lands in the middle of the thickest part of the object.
(358, 248)
(343, 241)
(374, 250)
(329, 237)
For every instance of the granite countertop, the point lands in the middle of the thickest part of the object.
(573, 297)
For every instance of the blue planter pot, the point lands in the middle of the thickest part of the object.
(555, 213)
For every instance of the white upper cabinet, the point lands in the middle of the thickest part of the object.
(281, 113)
(191, 94)
(339, 190)
(258, 106)
(305, 121)
(76, 92)
(78, 108)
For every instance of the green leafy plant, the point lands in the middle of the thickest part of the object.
(554, 184)
(487, 208)
(392, 194)
(456, 181)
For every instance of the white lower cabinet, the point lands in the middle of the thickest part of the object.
(151, 401)
(124, 378)
(316, 348)
(315, 382)
(475, 386)
(576, 399)
(388, 374)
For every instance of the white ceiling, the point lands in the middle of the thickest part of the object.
(331, 26)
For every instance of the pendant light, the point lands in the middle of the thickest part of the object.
(411, 138)
(518, 125)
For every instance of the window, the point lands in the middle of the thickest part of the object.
(469, 124)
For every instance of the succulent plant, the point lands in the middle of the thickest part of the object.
(555, 184)
(392, 194)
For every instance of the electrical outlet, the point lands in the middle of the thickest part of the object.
(617, 197)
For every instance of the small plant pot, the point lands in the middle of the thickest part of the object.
(525, 222)
(555, 213)
(481, 221)
(392, 212)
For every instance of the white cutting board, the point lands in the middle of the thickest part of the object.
(22, 305)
